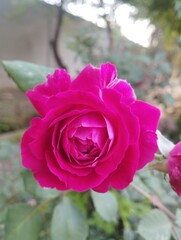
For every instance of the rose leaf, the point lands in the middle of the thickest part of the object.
(33, 187)
(26, 75)
(23, 220)
(105, 205)
(178, 217)
(155, 225)
(68, 222)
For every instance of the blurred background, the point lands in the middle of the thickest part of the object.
(142, 38)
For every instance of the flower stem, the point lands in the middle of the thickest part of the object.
(155, 201)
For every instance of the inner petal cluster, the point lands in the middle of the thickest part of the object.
(88, 142)
(82, 141)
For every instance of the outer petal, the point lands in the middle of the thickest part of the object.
(75, 99)
(108, 74)
(39, 133)
(93, 79)
(89, 80)
(125, 172)
(47, 179)
(148, 147)
(126, 91)
(38, 166)
(113, 101)
(148, 116)
(58, 82)
(72, 181)
(109, 80)
(33, 159)
(123, 176)
(28, 159)
(126, 131)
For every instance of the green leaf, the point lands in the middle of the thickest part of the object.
(155, 225)
(129, 235)
(29, 182)
(176, 232)
(3, 214)
(33, 187)
(68, 222)
(23, 222)
(26, 75)
(178, 217)
(106, 205)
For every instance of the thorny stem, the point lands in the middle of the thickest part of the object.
(157, 203)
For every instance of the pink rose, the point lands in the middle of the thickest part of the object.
(92, 134)
(174, 168)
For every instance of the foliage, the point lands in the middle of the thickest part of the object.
(143, 68)
(165, 15)
(42, 213)
(29, 212)
(27, 74)
(159, 222)
(68, 222)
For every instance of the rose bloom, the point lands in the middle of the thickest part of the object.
(92, 133)
(174, 168)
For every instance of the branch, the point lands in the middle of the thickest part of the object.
(108, 28)
(109, 32)
(54, 41)
(155, 201)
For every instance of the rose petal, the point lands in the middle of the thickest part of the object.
(58, 82)
(75, 99)
(88, 80)
(38, 166)
(108, 74)
(49, 180)
(73, 181)
(28, 160)
(126, 91)
(148, 116)
(148, 147)
(93, 79)
(125, 172)
(112, 100)
(123, 175)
